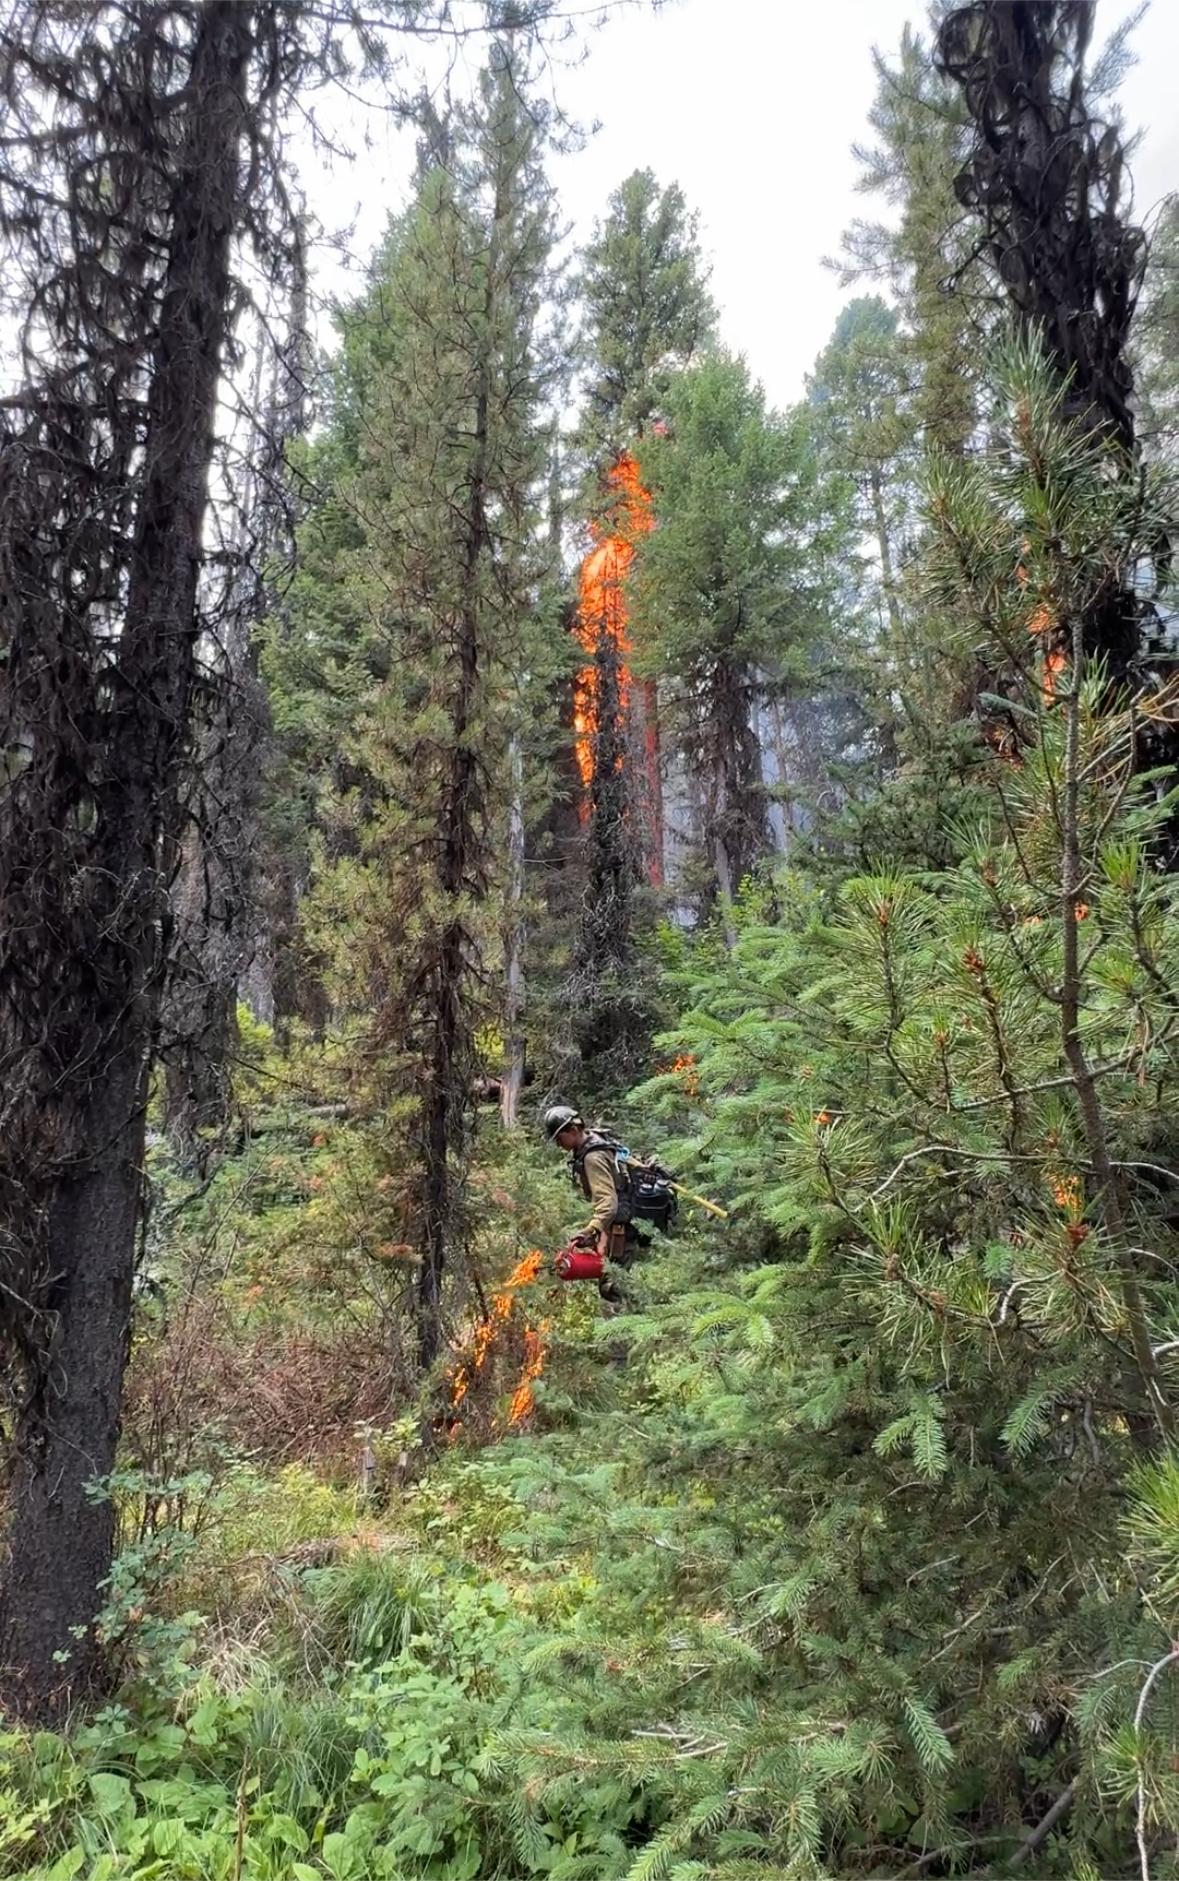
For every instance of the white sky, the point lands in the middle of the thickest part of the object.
(752, 106)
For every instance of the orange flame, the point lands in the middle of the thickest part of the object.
(685, 1069)
(485, 1336)
(1042, 623)
(535, 1353)
(602, 616)
(1066, 1192)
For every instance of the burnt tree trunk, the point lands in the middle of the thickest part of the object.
(606, 1016)
(67, 1428)
(1046, 179)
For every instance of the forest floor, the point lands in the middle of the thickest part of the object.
(348, 1644)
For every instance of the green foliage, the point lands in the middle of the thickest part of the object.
(735, 592)
(919, 126)
(850, 1546)
(647, 309)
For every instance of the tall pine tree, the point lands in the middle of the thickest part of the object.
(729, 597)
(452, 559)
(647, 313)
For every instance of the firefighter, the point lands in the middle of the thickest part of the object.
(595, 1173)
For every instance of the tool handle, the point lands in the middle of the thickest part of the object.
(701, 1201)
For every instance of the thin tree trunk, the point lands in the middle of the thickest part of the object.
(736, 828)
(719, 814)
(645, 697)
(447, 1096)
(60, 1540)
(200, 1020)
(514, 1040)
(884, 544)
(1106, 1181)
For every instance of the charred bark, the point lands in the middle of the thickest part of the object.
(603, 995)
(1049, 183)
(89, 849)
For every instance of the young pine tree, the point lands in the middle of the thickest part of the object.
(952, 1094)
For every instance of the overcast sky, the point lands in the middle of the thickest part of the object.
(752, 106)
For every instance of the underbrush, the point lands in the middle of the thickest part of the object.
(548, 1659)
(697, 1619)
(214, 1375)
(363, 1732)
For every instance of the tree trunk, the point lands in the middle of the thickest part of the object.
(447, 1099)
(61, 1542)
(601, 994)
(59, 1539)
(884, 544)
(736, 828)
(200, 1020)
(644, 732)
(514, 1038)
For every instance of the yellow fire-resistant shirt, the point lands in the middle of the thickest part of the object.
(599, 1174)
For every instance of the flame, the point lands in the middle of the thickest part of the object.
(525, 1271)
(485, 1337)
(1066, 1192)
(535, 1353)
(685, 1069)
(1043, 622)
(602, 616)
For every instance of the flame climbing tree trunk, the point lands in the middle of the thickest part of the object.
(607, 999)
(647, 314)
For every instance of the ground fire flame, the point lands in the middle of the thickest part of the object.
(488, 1336)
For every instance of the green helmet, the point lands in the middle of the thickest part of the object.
(557, 1119)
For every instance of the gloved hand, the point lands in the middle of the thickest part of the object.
(588, 1238)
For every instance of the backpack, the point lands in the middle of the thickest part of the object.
(645, 1188)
